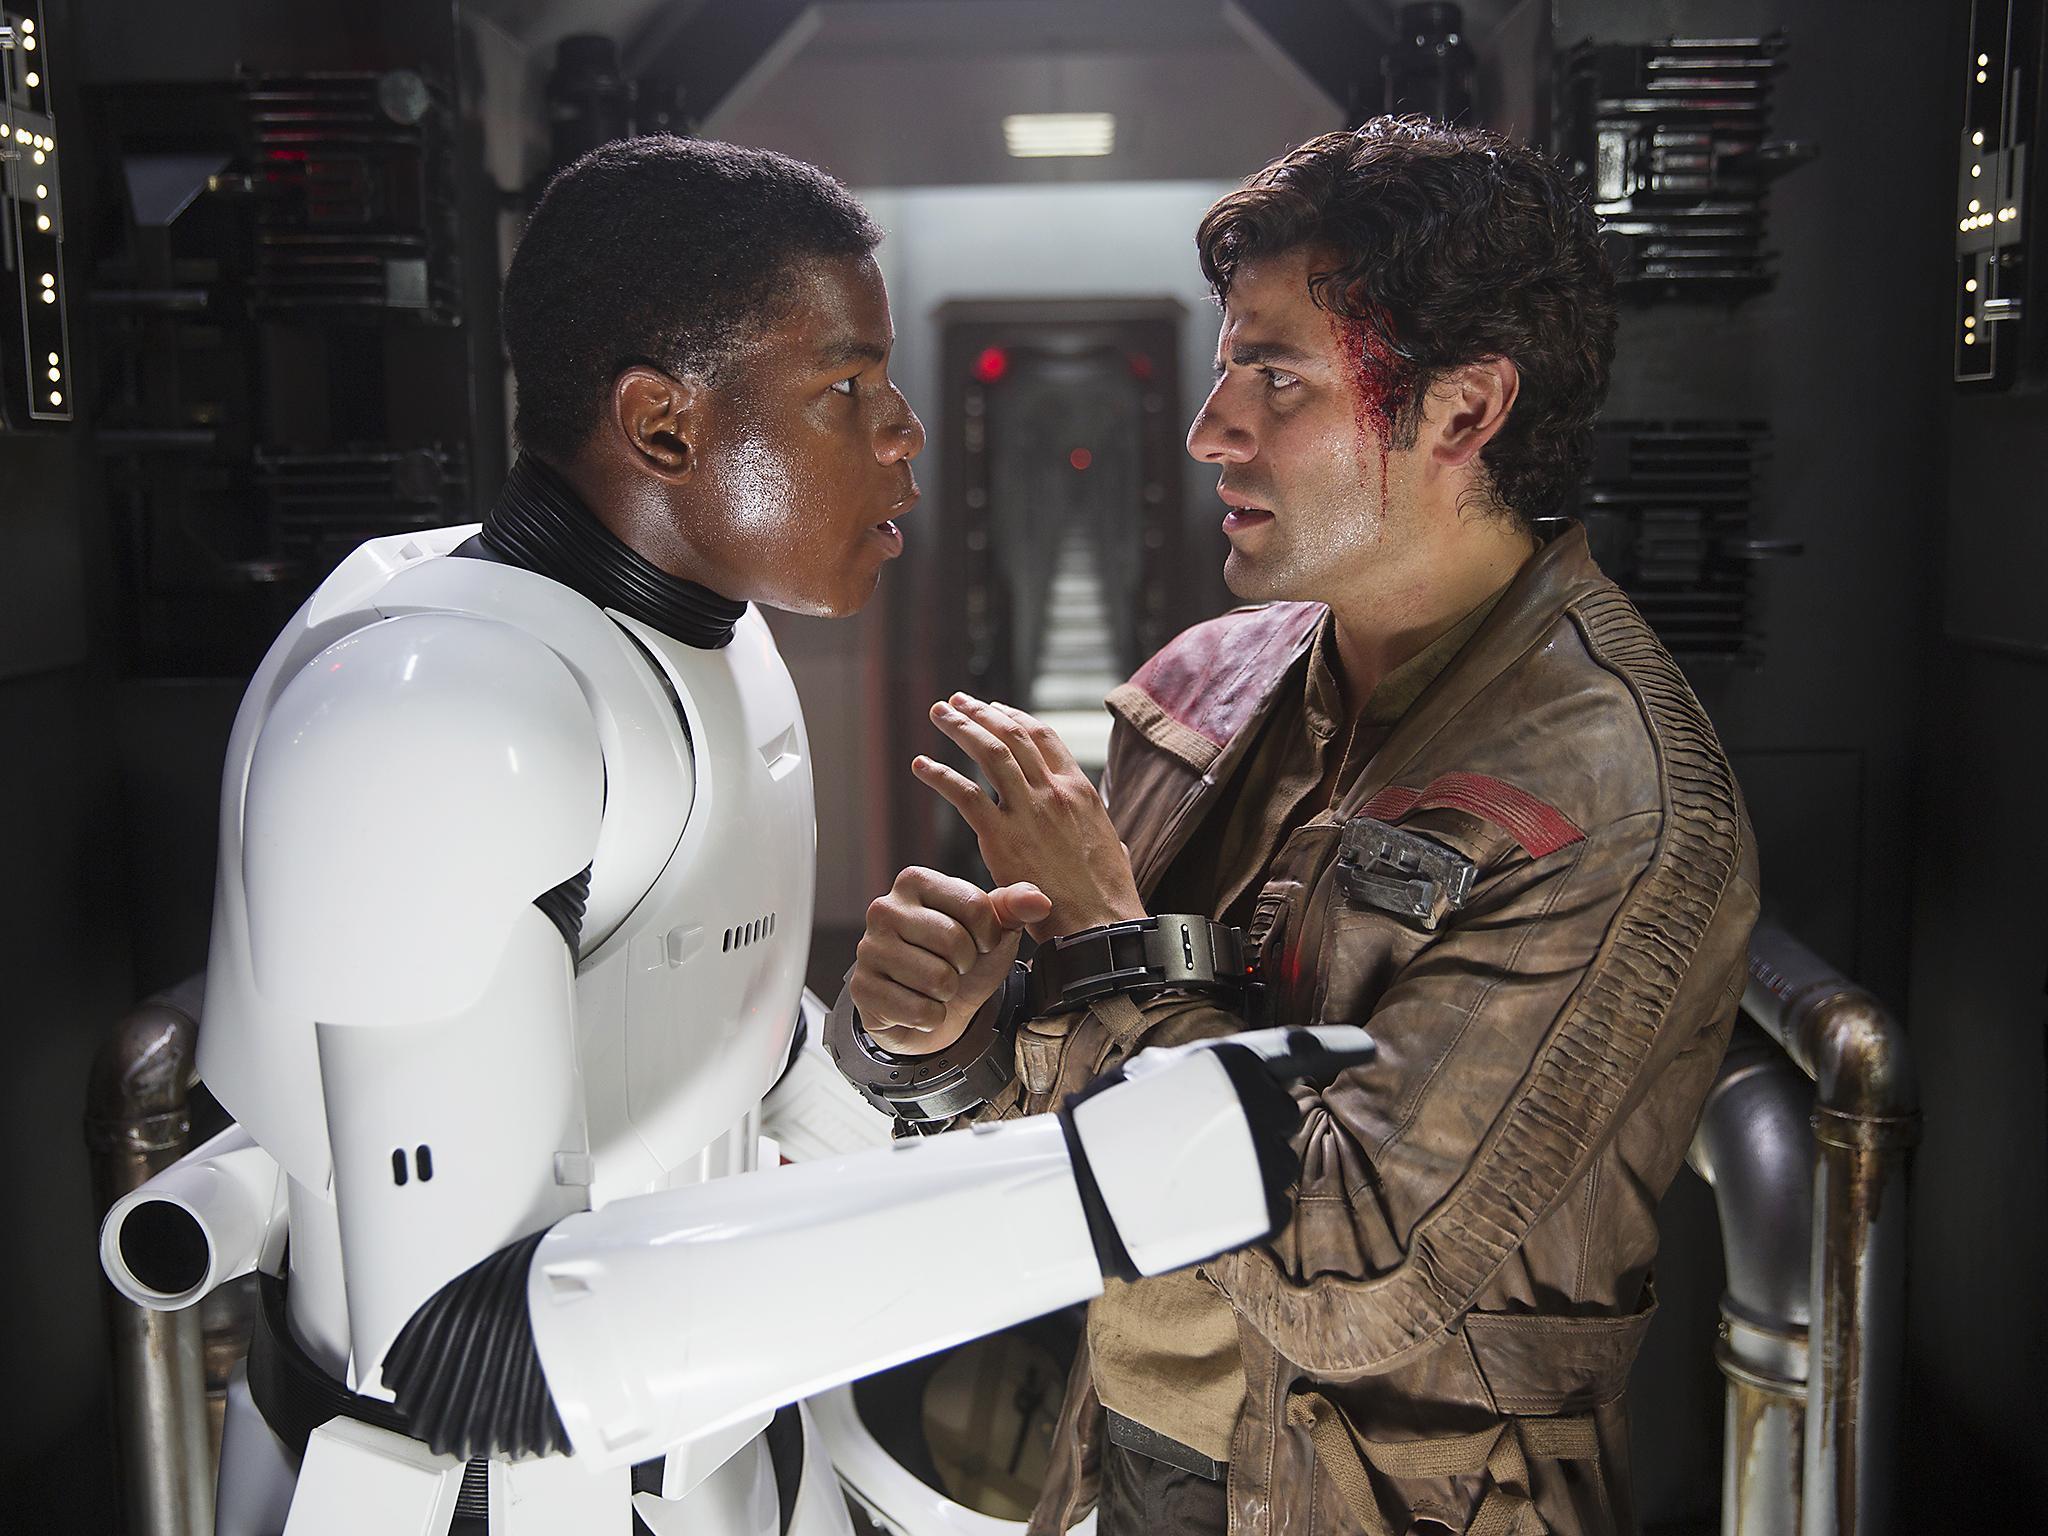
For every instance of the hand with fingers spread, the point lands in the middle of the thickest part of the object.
(936, 949)
(1045, 824)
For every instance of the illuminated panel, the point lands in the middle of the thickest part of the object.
(35, 341)
(1989, 216)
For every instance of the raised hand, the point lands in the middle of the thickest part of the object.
(1045, 823)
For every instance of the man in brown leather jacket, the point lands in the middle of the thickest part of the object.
(1416, 334)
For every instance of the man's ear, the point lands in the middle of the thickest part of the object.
(660, 420)
(1471, 405)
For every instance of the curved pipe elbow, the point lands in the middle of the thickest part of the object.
(1858, 1055)
(205, 1220)
(1754, 1145)
(136, 1096)
(1841, 1035)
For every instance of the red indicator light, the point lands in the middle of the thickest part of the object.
(993, 363)
(1080, 458)
(1141, 365)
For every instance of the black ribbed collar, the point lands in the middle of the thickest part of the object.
(541, 524)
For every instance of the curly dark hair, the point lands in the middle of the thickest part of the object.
(1449, 245)
(658, 250)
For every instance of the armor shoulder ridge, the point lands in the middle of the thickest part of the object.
(412, 787)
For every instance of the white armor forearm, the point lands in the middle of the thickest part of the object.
(662, 1318)
(665, 1317)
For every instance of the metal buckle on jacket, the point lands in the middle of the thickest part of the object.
(1414, 877)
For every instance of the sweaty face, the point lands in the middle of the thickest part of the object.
(806, 461)
(1298, 423)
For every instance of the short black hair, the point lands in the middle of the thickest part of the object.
(1449, 245)
(657, 250)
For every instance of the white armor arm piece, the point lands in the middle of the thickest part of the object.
(670, 1315)
(415, 787)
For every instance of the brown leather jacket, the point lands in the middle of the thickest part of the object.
(1444, 1330)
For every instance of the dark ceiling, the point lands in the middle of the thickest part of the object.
(913, 92)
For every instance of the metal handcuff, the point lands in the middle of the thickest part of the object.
(1170, 951)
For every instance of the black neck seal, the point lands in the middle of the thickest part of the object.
(541, 524)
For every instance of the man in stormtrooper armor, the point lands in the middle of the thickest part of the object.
(513, 902)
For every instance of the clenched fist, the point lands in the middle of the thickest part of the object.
(936, 949)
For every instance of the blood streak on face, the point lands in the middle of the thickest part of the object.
(1378, 375)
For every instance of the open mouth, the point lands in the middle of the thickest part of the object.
(1243, 512)
(887, 528)
(890, 535)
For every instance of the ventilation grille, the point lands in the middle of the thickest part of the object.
(358, 212)
(744, 934)
(1669, 513)
(322, 505)
(1671, 139)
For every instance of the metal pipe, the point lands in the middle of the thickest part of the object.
(1865, 1122)
(138, 1120)
(1754, 1148)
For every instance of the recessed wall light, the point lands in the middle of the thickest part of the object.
(1038, 135)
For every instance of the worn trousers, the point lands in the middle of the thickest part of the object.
(1141, 1497)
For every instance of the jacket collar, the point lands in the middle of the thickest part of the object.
(1201, 696)
(1198, 703)
(1549, 582)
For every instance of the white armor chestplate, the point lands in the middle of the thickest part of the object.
(698, 831)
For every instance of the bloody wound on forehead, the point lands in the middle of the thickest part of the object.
(1378, 375)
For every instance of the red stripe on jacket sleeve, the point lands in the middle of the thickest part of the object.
(1540, 828)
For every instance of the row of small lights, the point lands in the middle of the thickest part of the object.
(1981, 219)
(42, 147)
(56, 365)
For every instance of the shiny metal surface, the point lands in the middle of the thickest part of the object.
(1865, 1122)
(1755, 1148)
(137, 1121)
